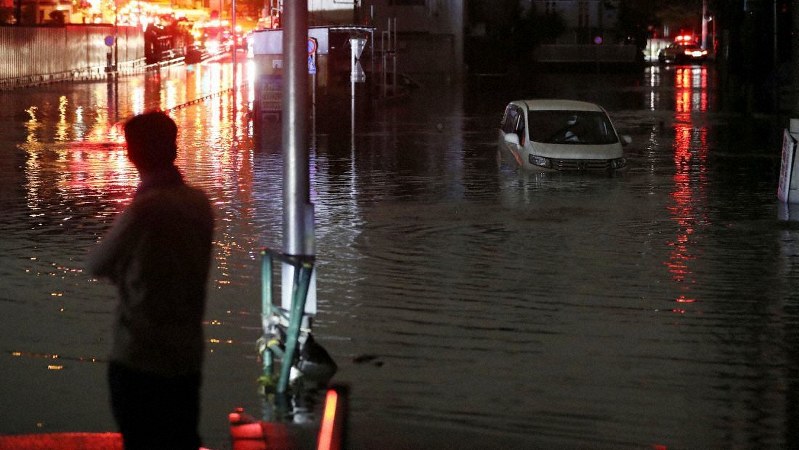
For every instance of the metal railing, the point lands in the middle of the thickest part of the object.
(277, 344)
(586, 53)
(37, 55)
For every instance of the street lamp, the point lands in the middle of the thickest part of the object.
(704, 24)
(116, 35)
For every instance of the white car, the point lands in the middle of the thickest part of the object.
(551, 134)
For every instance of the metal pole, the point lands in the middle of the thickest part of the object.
(704, 24)
(384, 66)
(795, 60)
(266, 309)
(116, 36)
(296, 189)
(233, 33)
(352, 97)
(302, 279)
(776, 36)
(298, 212)
(394, 59)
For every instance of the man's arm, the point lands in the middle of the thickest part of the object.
(104, 257)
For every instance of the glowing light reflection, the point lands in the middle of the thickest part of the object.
(690, 176)
(327, 429)
(75, 153)
(62, 126)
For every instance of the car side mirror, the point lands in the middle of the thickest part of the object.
(512, 138)
(626, 139)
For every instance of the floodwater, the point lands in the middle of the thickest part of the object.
(467, 304)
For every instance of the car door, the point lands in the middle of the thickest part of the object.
(513, 123)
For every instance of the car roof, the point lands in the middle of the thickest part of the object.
(551, 104)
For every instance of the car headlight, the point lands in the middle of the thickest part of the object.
(618, 163)
(539, 161)
(212, 45)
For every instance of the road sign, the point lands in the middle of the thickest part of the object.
(358, 75)
(356, 72)
(357, 46)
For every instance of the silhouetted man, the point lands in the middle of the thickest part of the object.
(158, 254)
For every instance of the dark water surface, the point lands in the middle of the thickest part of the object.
(655, 307)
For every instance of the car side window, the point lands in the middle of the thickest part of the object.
(519, 129)
(510, 119)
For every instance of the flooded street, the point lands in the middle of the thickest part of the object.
(459, 296)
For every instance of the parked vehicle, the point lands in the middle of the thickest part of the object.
(165, 40)
(554, 134)
(216, 37)
(680, 53)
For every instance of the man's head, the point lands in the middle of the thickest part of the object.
(151, 139)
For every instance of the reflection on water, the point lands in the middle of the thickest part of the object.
(690, 176)
(454, 290)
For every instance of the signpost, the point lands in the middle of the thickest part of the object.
(312, 46)
(110, 64)
(357, 74)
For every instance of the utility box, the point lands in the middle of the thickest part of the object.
(269, 97)
(788, 190)
(267, 111)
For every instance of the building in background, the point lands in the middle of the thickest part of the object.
(585, 20)
(430, 38)
(425, 36)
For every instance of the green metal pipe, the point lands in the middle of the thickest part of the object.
(302, 280)
(266, 307)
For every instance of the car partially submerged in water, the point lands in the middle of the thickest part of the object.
(554, 134)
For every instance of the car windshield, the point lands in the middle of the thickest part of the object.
(571, 127)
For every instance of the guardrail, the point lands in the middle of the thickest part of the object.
(572, 53)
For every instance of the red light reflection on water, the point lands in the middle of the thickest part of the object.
(77, 174)
(690, 83)
(690, 164)
(81, 154)
(82, 151)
